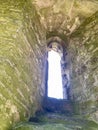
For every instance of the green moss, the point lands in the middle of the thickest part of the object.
(18, 89)
(85, 42)
(22, 34)
(72, 123)
(91, 126)
(89, 24)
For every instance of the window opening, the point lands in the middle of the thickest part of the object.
(55, 89)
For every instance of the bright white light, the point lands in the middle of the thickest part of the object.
(55, 89)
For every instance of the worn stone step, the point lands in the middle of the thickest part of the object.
(58, 105)
(48, 122)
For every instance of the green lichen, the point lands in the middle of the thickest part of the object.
(23, 35)
(18, 91)
(85, 64)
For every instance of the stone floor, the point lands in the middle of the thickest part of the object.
(55, 121)
(53, 117)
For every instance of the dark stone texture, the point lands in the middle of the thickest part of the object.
(57, 105)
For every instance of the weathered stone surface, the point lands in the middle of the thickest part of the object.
(20, 62)
(58, 105)
(24, 27)
(66, 15)
(84, 44)
(56, 122)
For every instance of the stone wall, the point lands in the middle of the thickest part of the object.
(24, 26)
(21, 61)
(84, 50)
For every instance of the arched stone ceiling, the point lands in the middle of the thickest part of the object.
(66, 15)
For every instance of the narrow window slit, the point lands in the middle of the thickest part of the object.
(55, 88)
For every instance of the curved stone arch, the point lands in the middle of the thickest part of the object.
(58, 45)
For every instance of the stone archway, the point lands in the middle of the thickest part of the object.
(58, 45)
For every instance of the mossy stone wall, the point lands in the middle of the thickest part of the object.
(84, 47)
(20, 64)
(24, 26)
